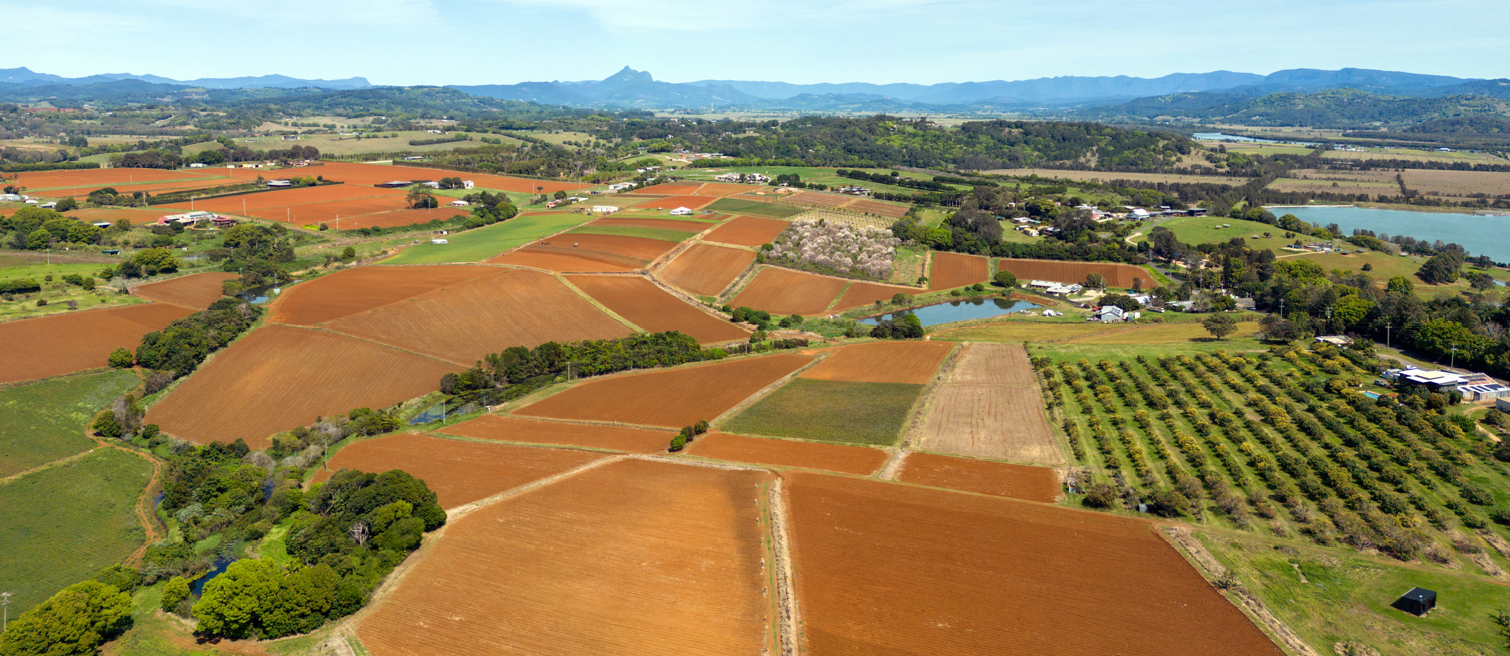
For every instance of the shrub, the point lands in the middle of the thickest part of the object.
(76, 620)
(1100, 495)
(677, 444)
(121, 359)
(107, 425)
(174, 593)
(1005, 279)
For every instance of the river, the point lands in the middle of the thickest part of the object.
(1480, 234)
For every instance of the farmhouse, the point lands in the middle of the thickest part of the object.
(604, 209)
(1110, 314)
(680, 211)
(1433, 380)
(188, 218)
(1054, 287)
(459, 203)
(620, 186)
(222, 222)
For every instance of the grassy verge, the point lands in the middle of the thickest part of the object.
(482, 243)
(831, 411)
(659, 234)
(754, 208)
(42, 422)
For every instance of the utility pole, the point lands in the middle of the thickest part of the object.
(1452, 364)
(4, 611)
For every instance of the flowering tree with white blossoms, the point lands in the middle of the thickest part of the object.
(836, 247)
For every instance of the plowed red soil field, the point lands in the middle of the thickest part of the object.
(784, 291)
(747, 231)
(1117, 275)
(991, 407)
(459, 472)
(705, 269)
(587, 253)
(196, 291)
(64, 343)
(155, 187)
(465, 322)
(668, 190)
(393, 219)
(632, 558)
(882, 362)
(878, 208)
(867, 293)
(673, 202)
(655, 310)
(535, 431)
(279, 377)
(858, 460)
(288, 198)
(983, 476)
(360, 289)
(674, 398)
(346, 210)
(952, 270)
(722, 189)
(663, 224)
(887, 569)
(41, 180)
(818, 198)
(371, 174)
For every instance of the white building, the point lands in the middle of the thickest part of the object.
(604, 209)
(680, 211)
(459, 203)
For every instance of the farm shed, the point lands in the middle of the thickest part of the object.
(1484, 392)
(1417, 601)
(680, 211)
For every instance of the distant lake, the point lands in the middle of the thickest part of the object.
(979, 308)
(1217, 136)
(1481, 235)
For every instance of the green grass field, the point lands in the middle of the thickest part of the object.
(61, 525)
(753, 208)
(660, 234)
(1331, 595)
(831, 411)
(482, 243)
(1195, 230)
(42, 422)
(1385, 266)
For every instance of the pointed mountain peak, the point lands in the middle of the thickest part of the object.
(628, 75)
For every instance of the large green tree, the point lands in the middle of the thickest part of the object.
(232, 603)
(76, 620)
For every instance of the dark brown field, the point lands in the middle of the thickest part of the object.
(887, 569)
(952, 270)
(1116, 275)
(983, 476)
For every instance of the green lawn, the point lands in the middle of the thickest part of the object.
(482, 243)
(1330, 595)
(630, 231)
(61, 525)
(42, 422)
(1196, 230)
(754, 208)
(832, 411)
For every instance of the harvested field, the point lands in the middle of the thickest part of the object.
(39, 181)
(64, 343)
(741, 205)
(348, 292)
(196, 291)
(534, 431)
(784, 291)
(668, 190)
(882, 362)
(673, 202)
(857, 460)
(867, 293)
(371, 174)
(982, 476)
(392, 219)
(1028, 331)
(279, 377)
(459, 472)
(880, 566)
(655, 224)
(673, 398)
(567, 569)
(722, 189)
(817, 199)
(587, 253)
(830, 411)
(891, 210)
(952, 270)
(281, 198)
(655, 310)
(1116, 275)
(747, 231)
(705, 269)
(1100, 176)
(990, 407)
(347, 211)
(179, 185)
(465, 322)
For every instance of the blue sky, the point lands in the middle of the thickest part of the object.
(921, 41)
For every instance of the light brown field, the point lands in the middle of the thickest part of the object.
(348, 292)
(785, 291)
(706, 269)
(1101, 176)
(459, 472)
(587, 253)
(668, 190)
(671, 398)
(722, 189)
(64, 343)
(287, 198)
(990, 407)
(655, 310)
(981, 476)
(197, 290)
(97, 178)
(952, 270)
(670, 562)
(391, 219)
(661, 224)
(279, 377)
(534, 431)
(673, 202)
(747, 231)
(370, 174)
(1070, 271)
(882, 362)
(465, 322)
(845, 459)
(889, 569)
(867, 293)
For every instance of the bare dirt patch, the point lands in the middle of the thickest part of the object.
(1116, 275)
(706, 269)
(587, 253)
(198, 290)
(983, 476)
(348, 292)
(991, 407)
(459, 472)
(861, 461)
(784, 291)
(882, 362)
(64, 343)
(747, 231)
(952, 270)
(655, 310)
(534, 431)
(567, 569)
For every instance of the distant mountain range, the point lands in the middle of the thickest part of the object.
(28, 78)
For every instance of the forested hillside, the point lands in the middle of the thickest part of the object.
(1338, 108)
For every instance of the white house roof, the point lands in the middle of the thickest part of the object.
(1431, 377)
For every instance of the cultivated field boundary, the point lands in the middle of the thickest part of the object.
(924, 405)
(1182, 539)
(725, 416)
